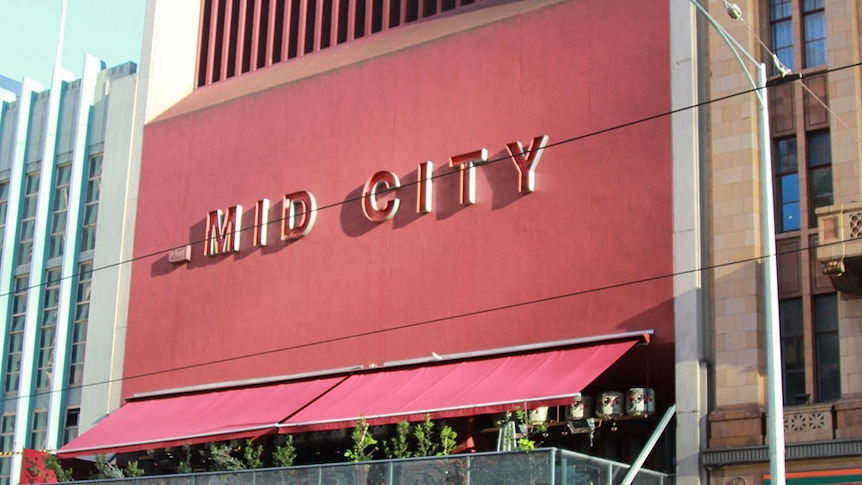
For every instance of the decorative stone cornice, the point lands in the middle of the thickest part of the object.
(795, 451)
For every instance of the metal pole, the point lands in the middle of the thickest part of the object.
(774, 397)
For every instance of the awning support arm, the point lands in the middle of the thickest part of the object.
(650, 444)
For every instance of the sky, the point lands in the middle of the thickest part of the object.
(110, 30)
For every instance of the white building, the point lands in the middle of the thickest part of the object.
(68, 184)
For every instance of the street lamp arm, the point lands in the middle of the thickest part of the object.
(735, 47)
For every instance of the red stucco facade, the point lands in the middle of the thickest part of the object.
(590, 252)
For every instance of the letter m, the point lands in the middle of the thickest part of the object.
(222, 233)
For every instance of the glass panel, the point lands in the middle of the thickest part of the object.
(790, 217)
(93, 190)
(25, 253)
(790, 188)
(5, 470)
(39, 429)
(95, 169)
(82, 312)
(781, 9)
(48, 333)
(790, 317)
(19, 306)
(829, 384)
(27, 229)
(828, 369)
(794, 385)
(56, 247)
(826, 313)
(88, 239)
(821, 187)
(819, 173)
(782, 41)
(815, 39)
(792, 347)
(793, 352)
(30, 206)
(827, 350)
(61, 200)
(59, 222)
(819, 149)
(32, 184)
(785, 152)
(70, 428)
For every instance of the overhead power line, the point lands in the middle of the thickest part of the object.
(449, 317)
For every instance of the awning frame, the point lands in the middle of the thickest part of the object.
(451, 361)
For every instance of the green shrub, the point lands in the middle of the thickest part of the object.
(448, 440)
(221, 459)
(425, 444)
(284, 454)
(398, 447)
(362, 441)
(251, 453)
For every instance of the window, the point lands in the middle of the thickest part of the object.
(792, 348)
(91, 203)
(28, 218)
(7, 431)
(59, 207)
(79, 325)
(819, 172)
(803, 182)
(39, 429)
(787, 184)
(781, 12)
(4, 199)
(814, 32)
(5, 466)
(48, 328)
(70, 426)
(828, 369)
(16, 334)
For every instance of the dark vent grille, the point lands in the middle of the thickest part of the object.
(238, 36)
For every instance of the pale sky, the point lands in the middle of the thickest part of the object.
(110, 30)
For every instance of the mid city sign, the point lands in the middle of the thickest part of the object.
(299, 209)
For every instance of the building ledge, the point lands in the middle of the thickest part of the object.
(793, 451)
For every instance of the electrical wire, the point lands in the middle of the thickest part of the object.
(449, 317)
(425, 322)
(444, 174)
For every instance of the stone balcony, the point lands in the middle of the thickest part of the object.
(808, 423)
(733, 426)
(738, 433)
(839, 248)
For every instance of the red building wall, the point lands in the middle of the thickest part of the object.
(592, 246)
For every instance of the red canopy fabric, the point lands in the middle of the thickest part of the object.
(196, 418)
(458, 389)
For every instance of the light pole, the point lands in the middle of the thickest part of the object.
(774, 395)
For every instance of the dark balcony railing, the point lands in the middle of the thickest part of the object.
(542, 466)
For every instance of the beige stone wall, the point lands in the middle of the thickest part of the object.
(842, 23)
(734, 220)
(734, 224)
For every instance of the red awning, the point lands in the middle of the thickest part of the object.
(459, 389)
(196, 418)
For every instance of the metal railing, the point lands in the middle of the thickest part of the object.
(543, 466)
